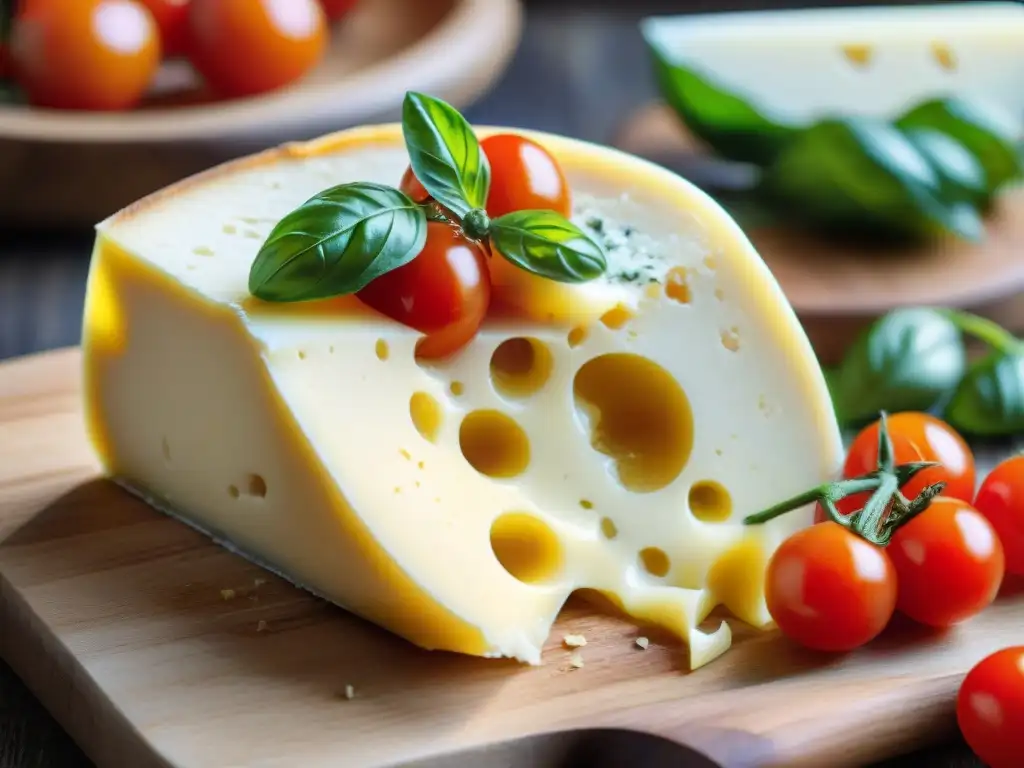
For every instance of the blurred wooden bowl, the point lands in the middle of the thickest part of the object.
(70, 169)
(837, 289)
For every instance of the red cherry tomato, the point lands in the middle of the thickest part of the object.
(1001, 500)
(990, 708)
(335, 9)
(444, 292)
(829, 589)
(915, 437)
(524, 176)
(171, 18)
(245, 47)
(949, 563)
(84, 54)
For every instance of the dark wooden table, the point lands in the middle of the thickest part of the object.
(580, 69)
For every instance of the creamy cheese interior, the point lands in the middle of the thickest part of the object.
(609, 437)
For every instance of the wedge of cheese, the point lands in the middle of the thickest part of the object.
(612, 449)
(801, 65)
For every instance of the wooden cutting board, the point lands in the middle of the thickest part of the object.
(155, 647)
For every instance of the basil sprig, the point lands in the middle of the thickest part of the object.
(915, 359)
(340, 240)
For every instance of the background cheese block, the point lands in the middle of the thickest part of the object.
(801, 65)
(459, 504)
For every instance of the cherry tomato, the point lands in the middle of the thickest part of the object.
(1001, 500)
(915, 437)
(949, 563)
(990, 708)
(245, 47)
(524, 176)
(444, 292)
(171, 17)
(335, 9)
(829, 589)
(85, 54)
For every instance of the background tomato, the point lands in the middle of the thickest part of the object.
(1001, 500)
(335, 9)
(84, 54)
(444, 292)
(949, 563)
(829, 589)
(990, 708)
(524, 176)
(246, 47)
(171, 17)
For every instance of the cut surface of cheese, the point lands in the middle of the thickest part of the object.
(610, 440)
(801, 65)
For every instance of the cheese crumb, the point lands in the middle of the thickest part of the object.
(574, 641)
(261, 625)
(576, 660)
(227, 594)
(642, 643)
(350, 692)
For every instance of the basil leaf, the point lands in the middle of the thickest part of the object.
(862, 177)
(337, 242)
(961, 177)
(905, 361)
(547, 244)
(987, 134)
(444, 154)
(990, 399)
(732, 127)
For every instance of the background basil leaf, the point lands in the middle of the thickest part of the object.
(444, 154)
(546, 244)
(990, 136)
(861, 176)
(905, 361)
(962, 179)
(337, 242)
(732, 127)
(990, 399)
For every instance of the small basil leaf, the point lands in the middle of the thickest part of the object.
(862, 177)
(444, 154)
(732, 127)
(986, 133)
(962, 179)
(547, 244)
(905, 361)
(990, 399)
(337, 242)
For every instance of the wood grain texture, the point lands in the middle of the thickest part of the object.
(155, 647)
(837, 289)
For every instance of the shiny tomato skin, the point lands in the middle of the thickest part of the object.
(444, 292)
(524, 176)
(990, 708)
(915, 437)
(335, 9)
(830, 590)
(171, 17)
(412, 187)
(949, 563)
(1001, 500)
(246, 47)
(84, 54)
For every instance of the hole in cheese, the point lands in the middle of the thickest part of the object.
(655, 561)
(577, 336)
(608, 528)
(638, 415)
(857, 54)
(526, 547)
(586, 504)
(203, 250)
(944, 56)
(256, 486)
(165, 449)
(426, 415)
(494, 444)
(302, 354)
(710, 501)
(616, 317)
(677, 285)
(520, 367)
(731, 339)
(456, 388)
(381, 348)
(233, 491)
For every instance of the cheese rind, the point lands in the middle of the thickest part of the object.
(459, 503)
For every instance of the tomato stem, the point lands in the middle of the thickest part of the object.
(476, 224)
(985, 330)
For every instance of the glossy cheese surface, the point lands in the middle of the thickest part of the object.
(608, 437)
(802, 65)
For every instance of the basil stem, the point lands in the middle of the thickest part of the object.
(907, 360)
(337, 242)
(444, 154)
(547, 244)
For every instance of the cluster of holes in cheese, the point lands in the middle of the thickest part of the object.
(860, 54)
(635, 411)
(252, 485)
